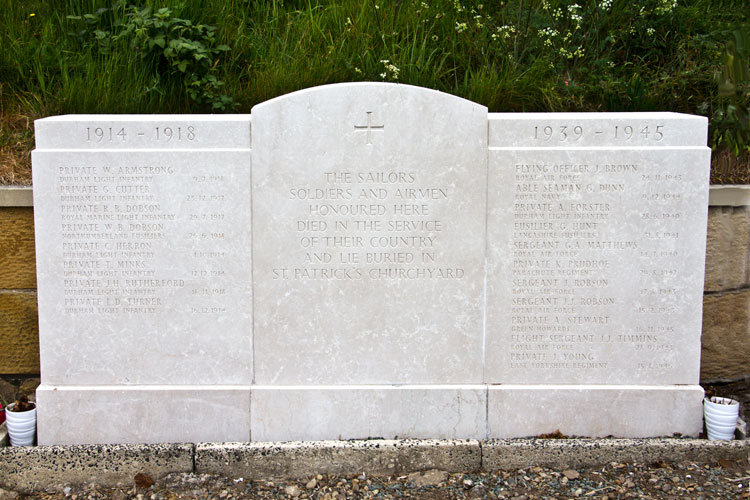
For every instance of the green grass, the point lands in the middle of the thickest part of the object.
(517, 55)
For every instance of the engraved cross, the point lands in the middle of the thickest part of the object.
(369, 128)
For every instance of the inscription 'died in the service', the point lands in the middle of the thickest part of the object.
(378, 225)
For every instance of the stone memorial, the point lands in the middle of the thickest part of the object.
(369, 260)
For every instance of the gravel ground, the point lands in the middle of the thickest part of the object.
(730, 480)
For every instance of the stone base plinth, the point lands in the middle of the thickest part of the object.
(142, 414)
(162, 414)
(628, 411)
(288, 413)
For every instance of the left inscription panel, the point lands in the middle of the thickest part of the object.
(144, 250)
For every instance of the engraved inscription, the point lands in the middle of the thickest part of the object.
(369, 128)
(116, 223)
(572, 133)
(157, 134)
(378, 225)
(571, 234)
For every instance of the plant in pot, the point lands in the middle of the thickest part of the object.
(3, 404)
(20, 418)
(720, 416)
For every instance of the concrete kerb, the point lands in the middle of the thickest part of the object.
(575, 453)
(297, 460)
(50, 468)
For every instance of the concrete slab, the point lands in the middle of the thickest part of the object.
(305, 459)
(574, 453)
(50, 468)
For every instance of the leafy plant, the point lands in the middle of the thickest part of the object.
(22, 404)
(730, 123)
(169, 45)
(165, 56)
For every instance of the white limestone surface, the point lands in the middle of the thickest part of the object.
(142, 414)
(596, 253)
(601, 130)
(288, 413)
(369, 213)
(144, 254)
(629, 411)
(128, 132)
(364, 274)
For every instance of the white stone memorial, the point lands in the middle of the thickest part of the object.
(369, 260)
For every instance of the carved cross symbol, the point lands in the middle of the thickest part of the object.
(369, 128)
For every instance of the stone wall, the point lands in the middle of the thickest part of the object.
(726, 304)
(19, 331)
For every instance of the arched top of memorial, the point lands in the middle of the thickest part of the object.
(377, 90)
(369, 118)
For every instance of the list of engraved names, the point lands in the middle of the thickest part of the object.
(571, 245)
(117, 225)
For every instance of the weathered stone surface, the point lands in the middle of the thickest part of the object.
(16, 196)
(50, 468)
(594, 410)
(726, 336)
(596, 240)
(147, 280)
(19, 332)
(727, 248)
(360, 412)
(352, 263)
(17, 264)
(142, 414)
(368, 205)
(299, 460)
(575, 453)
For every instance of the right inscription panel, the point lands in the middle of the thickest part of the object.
(596, 230)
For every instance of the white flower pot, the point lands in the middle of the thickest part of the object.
(21, 426)
(721, 416)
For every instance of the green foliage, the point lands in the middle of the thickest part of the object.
(136, 56)
(730, 123)
(168, 45)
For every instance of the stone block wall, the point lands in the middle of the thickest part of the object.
(726, 304)
(19, 329)
(726, 300)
